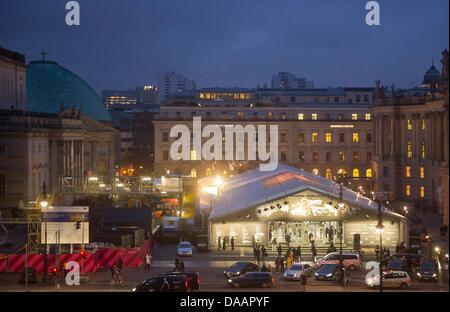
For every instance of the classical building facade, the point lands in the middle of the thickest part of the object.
(411, 142)
(12, 80)
(325, 131)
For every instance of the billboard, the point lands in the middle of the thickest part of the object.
(71, 222)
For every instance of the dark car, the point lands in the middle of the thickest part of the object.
(327, 272)
(428, 271)
(240, 268)
(166, 283)
(31, 276)
(193, 279)
(252, 279)
(397, 265)
(413, 259)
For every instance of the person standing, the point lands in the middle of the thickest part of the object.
(299, 253)
(274, 243)
(258, 254)
(232, 242)
(279, 250)
(224, 243)
(377, 252)
(148, 261)
(219, 243)
(303, 282)
(181, 265)
(177, 265)
(263, 253)
(282, 265)
(277, 264)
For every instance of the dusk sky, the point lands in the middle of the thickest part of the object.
(123, 44)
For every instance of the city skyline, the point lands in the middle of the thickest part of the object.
(213, 49)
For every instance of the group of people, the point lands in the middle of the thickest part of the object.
(259, 253)
(222, 243)
(179, 265)
(386, 252)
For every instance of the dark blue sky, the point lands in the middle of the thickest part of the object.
(122, 44)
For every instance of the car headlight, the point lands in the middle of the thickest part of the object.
(230, 281)
(418, 274)
(134, 289)
(316, 274)
(237, 273)
(434, 275)
(329, 275)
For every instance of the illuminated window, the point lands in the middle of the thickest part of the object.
(355, 137)
(240, 114)
(315, 171)
(301, 116)
(202, 95)
(269, 115)
(341, 156)
(409, 124)
(193, 173)
(422, 172)
(423, 150)
(409, 149)
(328, 137)
(368, 116)
(193, 155)
(408, 190)
(424, 124)
(301, 137)
(408, 171)
(328, 174)
(354, 116)
(368, 173)
(422, 191)
(314, 116)
(301, 155)
(356, 173)
(314, 137)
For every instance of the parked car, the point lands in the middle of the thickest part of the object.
(428, 271)
(295, 272)
(185, 249)
(165, 283)
(328, 272)
(32, 278)
(397, 265)
(392, 279)
(252, 279)
(414, 259)
(351, 261)
(240, 268)
(193, 278)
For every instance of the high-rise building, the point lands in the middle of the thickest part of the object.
(13, 80)
(171, 82)
(146, 95)
(286, 80)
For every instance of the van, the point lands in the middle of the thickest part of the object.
(351, 261)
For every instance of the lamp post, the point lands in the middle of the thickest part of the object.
(380, 228)
(44, 205)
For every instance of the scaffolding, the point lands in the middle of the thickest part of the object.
(33, 230)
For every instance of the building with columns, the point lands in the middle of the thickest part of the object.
(411, 143)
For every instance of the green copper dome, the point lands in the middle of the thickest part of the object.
(50, 85)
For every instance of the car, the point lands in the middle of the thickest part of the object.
(185, 249)
(252, 279)
(163, 283)
(391, 279)
(295, 272)
(328, 272)
(397, 265)
(32, 278)
(193, 279)
(428, 271)
(240, 268)
(414, 259)
(351, 261)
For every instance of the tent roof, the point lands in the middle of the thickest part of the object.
(254, 188)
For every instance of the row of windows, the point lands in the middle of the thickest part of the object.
(225, 95)
(421, 172)
(409, 150)
(355, 173)
(328, 156)
(408, 191)
(315, 116)
(409, 124)
(336, 99)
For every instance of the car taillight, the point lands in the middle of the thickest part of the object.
(186, 284)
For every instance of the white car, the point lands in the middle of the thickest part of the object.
(391, 279)
(296, 270)
(185, 249)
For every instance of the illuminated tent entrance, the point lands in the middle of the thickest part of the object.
(293, 205)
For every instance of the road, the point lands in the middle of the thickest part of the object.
(211, 267)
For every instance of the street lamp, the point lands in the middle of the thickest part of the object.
(380, 229)
(44, 205)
